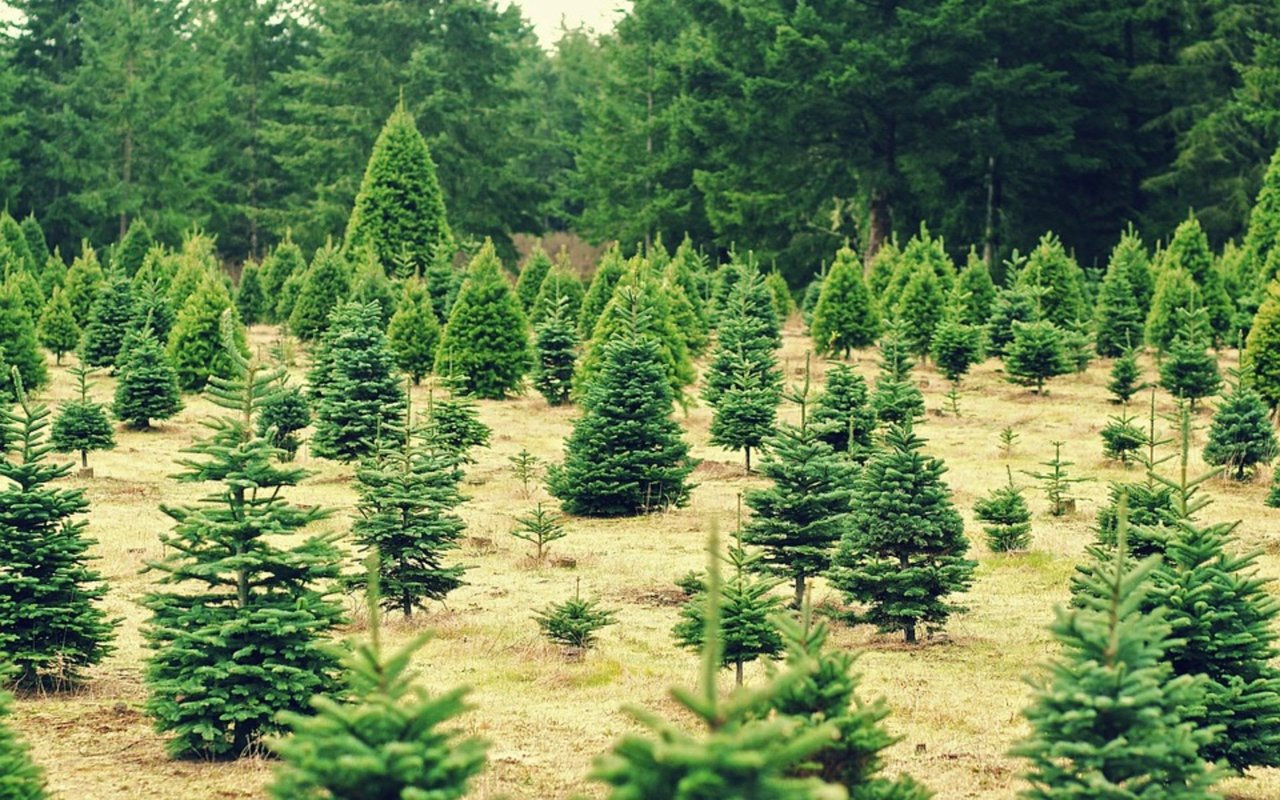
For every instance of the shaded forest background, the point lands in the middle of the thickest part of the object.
(781, 126)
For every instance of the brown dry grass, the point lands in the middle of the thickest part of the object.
(955, 701)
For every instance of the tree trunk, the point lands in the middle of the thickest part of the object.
(991, 239)
(909, 632)
(737, 671)
(799, 598)
(84, 459)
(748, 451)
(879, 224)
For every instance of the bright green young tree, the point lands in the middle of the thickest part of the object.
(81, 425)
(20, 778)
(324, 285)
(1261, 359)
(1118, 318)
(1175, 290)
(19, 348)
(1241, 436)
(147, 388)
(413, 332)
(1058, 278)
(846, 316)
(1035, 354)
(195, 344)
(109, 319)
(57, 329)
(533, 272)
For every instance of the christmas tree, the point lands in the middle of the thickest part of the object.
(1175, 291)
(283, 262)
(1006, 518)
(1121, 438)
(18, 347)
(842, 413)
(1118, 318)
(1058, 280)
(1017, 304)
(36, 242)
(1126, 377)
(147, 388)
(976, 290)
(131, 250)
(1261, 358)
(846, 316)
(453, 423)
(554, 346)
(748, 334)
(382, 737)
(608, 272)
(1036, 354)
(799, 519)
(539, 528)
(57, 329)
(323, 287)
(1241, 436)
(250, 301)
(897, 400)
(1057, 481)
(195, 344)
(370, 284)
(1190, 371)
(109, 319)
(746, 406)
(82, 283)
(28, 288)
(485, 346)
(560, 283)
(957, 345)
(82, 424)
(51, 624)
(919, 310)
(239, 618)
(1188, 250)
(574, 622)
(625, 455)
(1111, 720)
(281, 416)
(354, 390)
(1130, 257)
(903, 550)
(413, 332)
(20, 779)
(537, 265)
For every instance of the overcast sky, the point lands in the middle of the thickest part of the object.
(546, 14)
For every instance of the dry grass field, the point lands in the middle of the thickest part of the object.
(956, 699)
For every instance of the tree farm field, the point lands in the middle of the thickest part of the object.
(956, 698)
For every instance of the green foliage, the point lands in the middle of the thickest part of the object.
(281, 416)
(381, 737)
(539, 528)
(18, 347)
(57, 329)
(1058, 279)
(1112, 720)
(1130, 258)
(903, 550)
(554, 346)
(842, 413)
(625, 455)
(131, 250)
(1241, 436)
(147, 388)
(454, 424)
(413, 332)
(82, 424)
(923, 253)
(1005, 517)
(748, 337)
(525, 468)
(250, 300)
(608, 272)
(574, 622)
(976, 290)
(51, 624)
(883, 266)
(195, 343)
(1121, 439)
(1056, 482)
(279, 267)
(355, 393)
(13, 246)
(36, 242)
(1190, 371)
(747, 401)
(28, 288)
(1118, 317)
(324, 286)
(484, 349)
(1036, 354)
(239, 616)
(1261, 358)
(1175, 291)
(399, 210)
(82, 283)
(20, 778)
(957, 345)
(919, 310)
(1016, 304)
(371, 285)
(408, 494)
(533, 273)
(1126, 377)
(1189, 250)
(109, 319)
(783, 302)
(560, 283)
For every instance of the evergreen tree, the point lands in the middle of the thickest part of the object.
(749, 334)
(783, 302)
(13, 245)
(883, 266)
(608, 272)
(842, 413)
(28, 288)
(454, 424)
(798, 520)
(919, 309)
(1126, 377)
(903, 551)
(957, 345)
(195, 344)
(197, 262)
(484, 348)
(282, 415)
(370, 284)
(924, 253)
(1241, 436)
(1057, 482)
(57, 329)
(809, 303)
(131, 250)
(1058, 279)
(1121, 439)
(147, 388)
(1035, 354)
(354, 391)
(36, 242)
(1190, 371)
(746, 627)
(250, 300)
(278, 268)
(1110, 721)
(20, 779)
(51, 624)
(559, 283)
(1118, 318)
(1175, 291)
(554, 344)
(693, 330)
(152, 312)
(574, 622)
(539, 528)
(1006, 518)
(537, 265)
(977, 291)
(897, 399)
(1129, 257)
(413, 331)
(321, 289)
(408, 496)
(625, 455)
(1264, 223)
(82, 424)
(1261, 358)
(109, 319)
(399, 210)
(18, 347)
(846, 316)
(239, 617)
(381, 737)
(1016, 304)
(745, 409)
(1189, 250)
(83, 280)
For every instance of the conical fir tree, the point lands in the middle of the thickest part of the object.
(18, 347)
(370, 284)
(903, 551)
(382, 738)
(1126, 377)
(919, 310)
(1005, 517)
(625, 455)
(748, 333)
(484, 348)
(282, 415)
(324, 285)
(408, 494)
(746, 408)
(282, 265)
(897, 400)
(799, 519)
(57, 329)
(413, 332)
(109, 319)
(1110, 722)
(1118, 318)
(1036, 354)
(36, 241)
(560, 282)
(1130, 258)
(82, 425)
(131, 250)
(147, 388)
(20, 779)
(240, 617)
(846, 316)
(608, 272)
(976, 290)
(250, 300)
(1261, 358)
(1263, 234)
(555, 343)
(1241, 436)
(842, 414)
(195, 345)
(1058, 279)
(532, 274)
(354, 390)
(957, 345)
(82, 283)
(1190, 371)
(1175, 291)
(1189, 250)
(399, 210)
(1016, 304)
(51, 626)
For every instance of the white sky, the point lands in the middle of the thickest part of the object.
(545, 15)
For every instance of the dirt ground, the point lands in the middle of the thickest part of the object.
(956, 699)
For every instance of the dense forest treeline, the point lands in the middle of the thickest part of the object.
(785, 127)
